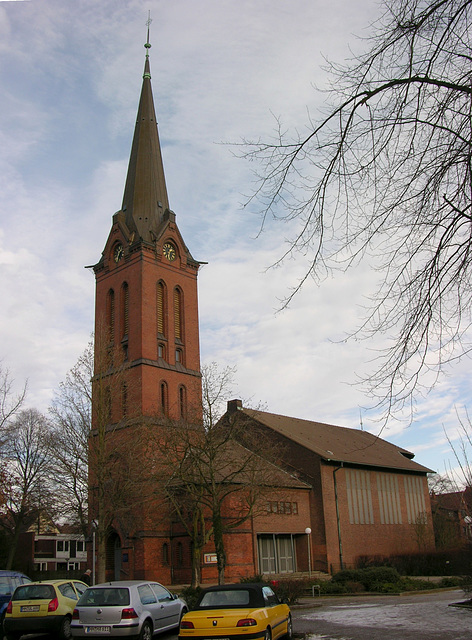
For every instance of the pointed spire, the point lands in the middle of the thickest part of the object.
(145, 197)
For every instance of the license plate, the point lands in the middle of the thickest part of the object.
(29, 608)
(97, 629)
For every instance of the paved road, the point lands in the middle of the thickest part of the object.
(407, 617)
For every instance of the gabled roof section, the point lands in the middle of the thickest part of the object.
(337, 444)
(145, 197)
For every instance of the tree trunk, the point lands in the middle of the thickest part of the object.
(219, 544)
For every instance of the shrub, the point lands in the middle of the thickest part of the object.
(259, 577)
(290, 590)
(372, 578)
(190, 595)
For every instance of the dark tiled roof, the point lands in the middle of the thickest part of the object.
(339, 444)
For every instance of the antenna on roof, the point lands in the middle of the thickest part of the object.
(360, 419)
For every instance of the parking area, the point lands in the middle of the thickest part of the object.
(425, 616)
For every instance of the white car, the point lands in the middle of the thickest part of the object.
(128, 608)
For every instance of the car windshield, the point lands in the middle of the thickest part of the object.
(104, 597)
(34, 592)
(227, 598)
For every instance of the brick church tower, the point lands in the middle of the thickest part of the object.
(146, 281)
(147, 306)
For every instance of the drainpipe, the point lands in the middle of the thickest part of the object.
(341, 561)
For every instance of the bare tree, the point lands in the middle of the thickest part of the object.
(10, 401)
(385, 175)
(71, 417)
(213, 482)
(28, 469)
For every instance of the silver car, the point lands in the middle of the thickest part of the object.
(128, 608)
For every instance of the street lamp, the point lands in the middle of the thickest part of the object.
(308, 533)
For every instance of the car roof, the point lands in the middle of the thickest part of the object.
(12, 574)
(240, 585)
(124, 583)
(55, 581)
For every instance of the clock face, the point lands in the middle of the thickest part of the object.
(118, 252)
(169, 251)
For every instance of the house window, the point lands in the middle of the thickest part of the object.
(415, 502)
(359, 497)
(164, 398)
(286, 508)
(389, 499)
(40, 566)
(124, 310)
(183, 402)
(80, 545)
(111, 314)
(60, 545)
(178, 311)
(124, 399)
(161, 309)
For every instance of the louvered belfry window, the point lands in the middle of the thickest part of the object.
(111, 314)
(178, 314)
(125, 308)
(160, 309)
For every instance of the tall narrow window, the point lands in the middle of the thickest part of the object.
(125, 309)
(178, 314)
(111, 314)
(164, 398)
(183, 402)
(124, 400)
(161, 309)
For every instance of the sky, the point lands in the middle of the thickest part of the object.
(222, 71)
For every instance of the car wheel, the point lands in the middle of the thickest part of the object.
(146, 631)
(289, 634)
(182, 613)
(267, 634)
(64, 630)
(13, 636)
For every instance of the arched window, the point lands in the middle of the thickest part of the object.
(183, 402)
(164, 401)
(161, 309)
(178, 314)
(111, 314)
(124, 399)
(165, 553)
(124, 310)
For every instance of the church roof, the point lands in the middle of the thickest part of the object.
(145, 199)
(339, 444)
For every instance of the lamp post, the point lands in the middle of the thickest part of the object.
(308, 533)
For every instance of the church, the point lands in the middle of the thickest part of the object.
(342, 494)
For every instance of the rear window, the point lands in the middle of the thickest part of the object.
(223, 599)
(8, 584)
(34, 592)
(104, 597)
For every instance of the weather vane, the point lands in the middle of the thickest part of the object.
(148, 23)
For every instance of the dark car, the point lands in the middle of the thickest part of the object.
(9, 581)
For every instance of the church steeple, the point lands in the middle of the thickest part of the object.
(145, 197)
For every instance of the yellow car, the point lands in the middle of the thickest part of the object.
(237, 612)
(42, 607)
